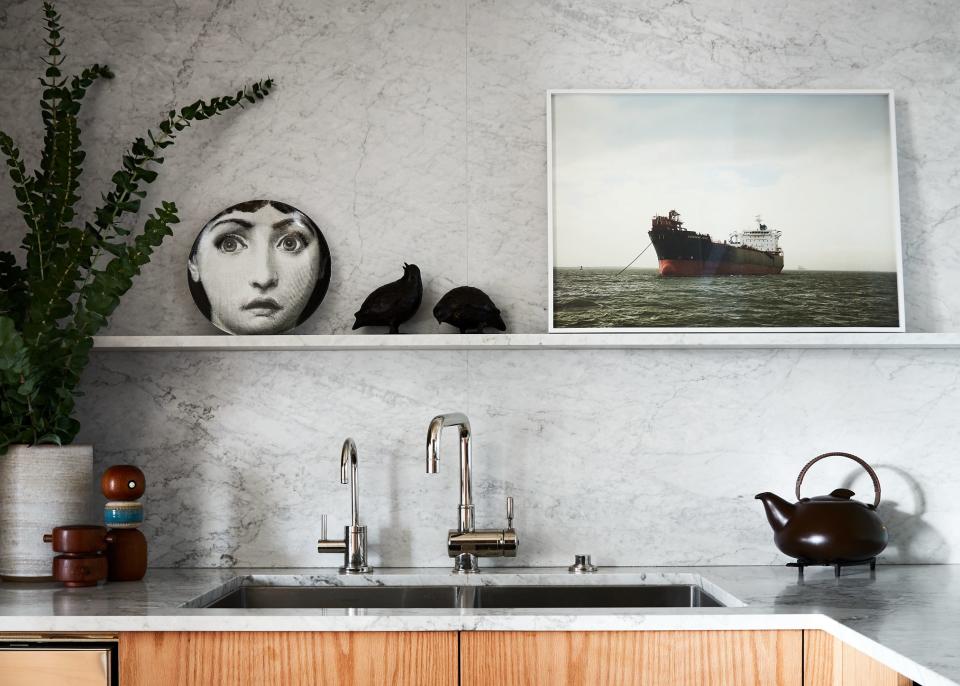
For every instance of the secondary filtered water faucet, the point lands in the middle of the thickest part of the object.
(353, 545)
(466, 543)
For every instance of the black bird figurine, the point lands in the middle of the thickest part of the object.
(394, 303)
(469, 309)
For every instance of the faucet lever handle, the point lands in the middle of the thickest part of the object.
(509, 511)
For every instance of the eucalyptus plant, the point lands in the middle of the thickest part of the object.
(75, 270)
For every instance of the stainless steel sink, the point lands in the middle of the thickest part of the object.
(465, 597)
(339, 597)
(594, 596)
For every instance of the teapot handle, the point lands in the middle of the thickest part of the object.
(873, 474)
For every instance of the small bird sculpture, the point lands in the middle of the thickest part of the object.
(469, 309)
(394, 303)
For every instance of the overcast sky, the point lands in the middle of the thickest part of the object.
(815, 166)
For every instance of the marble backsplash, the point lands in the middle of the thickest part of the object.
(637, 457)
(413, 130)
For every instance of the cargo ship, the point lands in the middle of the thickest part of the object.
(682, 252)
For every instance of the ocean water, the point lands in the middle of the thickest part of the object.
(598, 298)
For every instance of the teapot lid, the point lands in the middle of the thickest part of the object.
(838, 496)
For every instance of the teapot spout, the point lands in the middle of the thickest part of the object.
(779, 511)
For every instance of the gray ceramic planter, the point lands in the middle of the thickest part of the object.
(40, 488)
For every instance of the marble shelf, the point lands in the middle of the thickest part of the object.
(531, 341)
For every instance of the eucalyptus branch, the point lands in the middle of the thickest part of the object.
(102, 295)
(52, 89)
(24, 189)
(67, 132)
(50, 110)
(126, 181)
(58, 177)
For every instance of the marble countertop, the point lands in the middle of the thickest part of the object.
(907, 617)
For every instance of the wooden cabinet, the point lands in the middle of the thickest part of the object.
(501, 658)
(288, 658)
(828, 661)
(632, 658)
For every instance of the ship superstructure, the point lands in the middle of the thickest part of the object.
(682, 252)
(761, 238)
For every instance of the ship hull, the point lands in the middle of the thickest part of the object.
(698, 268)
(687, 253)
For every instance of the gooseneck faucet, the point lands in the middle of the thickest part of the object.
(466, 543)
(458, 419)
(353, 545)
(348, 457)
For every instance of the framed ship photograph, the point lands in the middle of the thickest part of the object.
(721, 211)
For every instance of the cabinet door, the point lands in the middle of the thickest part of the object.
(55, 666)
(632, 658)
(828, 661)
(288, 658)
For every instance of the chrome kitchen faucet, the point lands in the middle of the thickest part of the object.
(466, 543)
(353, 545)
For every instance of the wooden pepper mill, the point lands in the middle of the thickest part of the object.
(126, 545)
(81, 561)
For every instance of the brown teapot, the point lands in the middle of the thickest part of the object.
(827, 529)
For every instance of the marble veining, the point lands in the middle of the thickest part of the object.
(637, 457)
(900, 616)
(413, 130)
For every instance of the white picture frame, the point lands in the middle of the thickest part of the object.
(581, 128)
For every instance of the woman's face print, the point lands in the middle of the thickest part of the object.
(258, 268)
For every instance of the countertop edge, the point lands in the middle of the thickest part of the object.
(205, 620)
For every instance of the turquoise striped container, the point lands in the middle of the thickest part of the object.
(123, 514)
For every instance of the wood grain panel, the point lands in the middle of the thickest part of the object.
(822, 659)
(288, 658)
(632, 658)
(827, 661)
(860, 670)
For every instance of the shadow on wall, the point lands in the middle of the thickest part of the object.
(918, 282)
(912, 540)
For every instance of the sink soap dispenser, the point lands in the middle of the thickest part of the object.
(582, 564)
